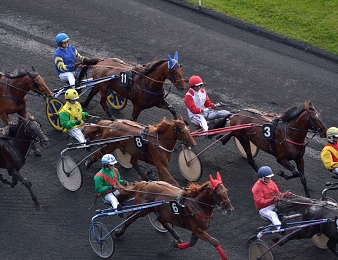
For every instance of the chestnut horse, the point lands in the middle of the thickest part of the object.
(14, 147)
(283, 137)
(152, 144)
(192, 210)
(144, 85)
(13, 90)
(311, 209)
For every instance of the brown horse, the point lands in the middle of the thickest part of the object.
(192, 208)
(14, 147)
(283, 137)
(311, 209)
(13, 90)
(152, 144)
(145, 85)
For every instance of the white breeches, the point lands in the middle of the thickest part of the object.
(78, 135)
(202, 121)
(68, 77)
(269, 213)
(112, 199)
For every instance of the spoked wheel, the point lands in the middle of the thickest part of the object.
(123, 158)
(53, 107)
(69, 174)
(116, 101)
(156, 224)
(101, 240)
(254, 149)
(260, 250)
(189, 165)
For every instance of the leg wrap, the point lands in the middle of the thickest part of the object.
(221, 252)
(183, 245)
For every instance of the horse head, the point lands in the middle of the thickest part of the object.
(175, 72)
(314, 119)
(38, 84)
(220, 193)
(32, 130)
(183, 131)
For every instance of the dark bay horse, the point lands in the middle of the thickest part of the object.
(286, 134)
(145, 88)
(311, 209)
(152, 144)
(196, 204)
(13, 90)
(14, 148)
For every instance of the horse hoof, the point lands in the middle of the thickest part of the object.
(119, 233)
(37, 205)
(174, 244)
(151, 176)
(37, 152)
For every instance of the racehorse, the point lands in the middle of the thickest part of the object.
(14, 148)
(144, 87)
(152, 144)
(283, 137)
(13, 90)
(311, 209)
(192, 208)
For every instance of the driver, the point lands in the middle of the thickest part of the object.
(72, 117)
(329, 154)
(199, 106)
(266, 193)
(65, 59)
(108, 181)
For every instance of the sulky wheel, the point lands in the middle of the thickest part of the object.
(260, 250)
(117, 102)
(254, 149)
(155, 223)
(123, 158)
(53, 107)
(189, 165)
(69, 173)
(101, 240)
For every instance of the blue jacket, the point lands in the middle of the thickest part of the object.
(64, 59)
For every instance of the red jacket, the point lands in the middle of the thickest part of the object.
(263, 193)
(195, 100)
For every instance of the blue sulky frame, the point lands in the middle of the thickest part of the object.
(100, 237)
(259, 249)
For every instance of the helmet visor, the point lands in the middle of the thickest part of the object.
(269, 176)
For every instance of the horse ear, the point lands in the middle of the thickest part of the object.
(33, 69)
(171, 62)
(179, 116)
(211, 179)
(219, 178)
(176, 56)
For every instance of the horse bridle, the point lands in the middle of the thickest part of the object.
(29, 132)
(217, 199)
(313, 122)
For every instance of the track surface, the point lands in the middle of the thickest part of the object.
(240, 69)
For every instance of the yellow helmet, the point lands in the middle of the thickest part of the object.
(71, 94)
(332, 132)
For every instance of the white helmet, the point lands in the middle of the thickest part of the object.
(108, 159)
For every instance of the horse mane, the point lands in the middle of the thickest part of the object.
(151, 66)
(162, 126)
(292, 113)
(194, 189)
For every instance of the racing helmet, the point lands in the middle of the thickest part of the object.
(264, 171)
(71, 94)
(108, 159)
(61, 37)
(195, 81)
(332, 132)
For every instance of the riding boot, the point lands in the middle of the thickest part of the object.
(77, 86)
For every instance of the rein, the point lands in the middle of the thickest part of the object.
(12, 86)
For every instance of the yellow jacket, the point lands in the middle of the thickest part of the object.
(329, 156)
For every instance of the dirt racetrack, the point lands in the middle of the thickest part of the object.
(241, 69)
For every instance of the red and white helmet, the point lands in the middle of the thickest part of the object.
(195, 81)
